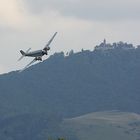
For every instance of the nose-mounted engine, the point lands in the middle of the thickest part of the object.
(45, 50)
(48, 48)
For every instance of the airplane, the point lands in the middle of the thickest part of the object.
(36, 54)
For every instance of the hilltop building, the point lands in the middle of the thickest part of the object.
(104, 46)
(120, 45)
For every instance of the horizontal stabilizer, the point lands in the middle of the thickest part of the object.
(20, 57)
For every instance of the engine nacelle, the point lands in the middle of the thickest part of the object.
(39, 58)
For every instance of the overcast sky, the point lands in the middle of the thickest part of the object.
(79, 23)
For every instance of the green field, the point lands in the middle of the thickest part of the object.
(111, 125)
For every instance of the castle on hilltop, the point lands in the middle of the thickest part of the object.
(120, 45)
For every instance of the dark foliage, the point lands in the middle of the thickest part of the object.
(74, 85)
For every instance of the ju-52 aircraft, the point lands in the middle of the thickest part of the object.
(36, 54)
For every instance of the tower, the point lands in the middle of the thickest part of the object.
(104, 41)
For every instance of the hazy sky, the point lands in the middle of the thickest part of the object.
(79, 23)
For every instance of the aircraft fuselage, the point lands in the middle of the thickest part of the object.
(38, 53)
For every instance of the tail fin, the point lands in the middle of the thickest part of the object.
(22, 52)
(23, 55)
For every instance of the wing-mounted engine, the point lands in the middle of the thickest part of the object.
(38, 58)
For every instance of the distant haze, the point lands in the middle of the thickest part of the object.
(79, 23)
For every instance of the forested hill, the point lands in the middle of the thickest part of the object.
(107, 78)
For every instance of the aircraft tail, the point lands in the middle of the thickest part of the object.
(22, 52)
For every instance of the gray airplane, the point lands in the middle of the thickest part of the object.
(36, 54)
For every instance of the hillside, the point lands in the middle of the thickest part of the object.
(112, 125)
(37, 100)
(106, 125)
(74, 85)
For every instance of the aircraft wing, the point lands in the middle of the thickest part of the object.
(33, 61)
(49, 42)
